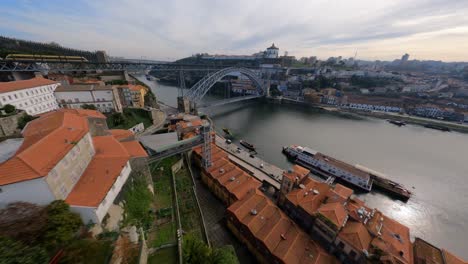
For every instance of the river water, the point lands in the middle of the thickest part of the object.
(435, 163)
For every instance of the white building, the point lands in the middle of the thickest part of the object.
(75, 96)
(272, 52)
(72, 156)
(35, 96)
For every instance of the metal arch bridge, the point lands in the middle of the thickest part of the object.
(198, 91)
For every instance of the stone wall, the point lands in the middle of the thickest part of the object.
(9, 124)
(158, 116)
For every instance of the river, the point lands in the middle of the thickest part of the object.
(433, 162)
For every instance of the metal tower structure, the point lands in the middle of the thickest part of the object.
(181, 83)
(206, 147)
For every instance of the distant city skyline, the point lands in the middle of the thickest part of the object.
(169, 30)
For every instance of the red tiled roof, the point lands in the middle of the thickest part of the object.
(306, 198)
(134, 149)
(395, 240)
(281, 236)
(298, 172)
(24, 84)
(356, 235)
(46, 141)
(343, 191)
(452, 259)
(335, 212)
(121, 134)
(102, 172)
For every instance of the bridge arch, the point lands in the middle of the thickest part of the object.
(196, 93)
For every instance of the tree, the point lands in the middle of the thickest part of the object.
(8, 108)
(16, 252)
(224, 255)
(62, 225)
(89, 106)
(197, 252)
(22, 121)
(118, 119)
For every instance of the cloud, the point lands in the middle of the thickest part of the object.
(174, 29)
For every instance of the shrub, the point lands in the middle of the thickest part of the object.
(24, 120)
(16, 252)
(62, 225)
(9, 108)
(89, 106)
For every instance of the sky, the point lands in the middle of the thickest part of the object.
(173, 29)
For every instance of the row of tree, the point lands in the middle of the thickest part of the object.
(32, 234)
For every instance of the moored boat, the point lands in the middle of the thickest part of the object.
(247, 145)
(397, 122)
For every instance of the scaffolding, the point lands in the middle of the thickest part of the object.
(206, 147)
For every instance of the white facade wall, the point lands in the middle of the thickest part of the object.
(34, 101)
(33, 191)
(102, 99)
(335, 171)
(96, 214)
(66, 173)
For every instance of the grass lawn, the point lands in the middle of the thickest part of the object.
(132, 117)
(189, 215)
(138, 201)
(165, 255)
(87, 251)
(164, 234)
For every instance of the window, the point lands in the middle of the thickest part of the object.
(352, 254)
(65, 162)
(9, 97)
(341, 245)
(3, 98)
(16, 96)
(77, 100)
(53, 174)
(63, 190)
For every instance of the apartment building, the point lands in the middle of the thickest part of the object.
(254, 219)
(35, 96)
(227, 181)
(70, 155)
(345, 225)
(132, 95)
(75, 96)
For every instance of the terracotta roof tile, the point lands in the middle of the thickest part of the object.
(103, 170)
(335, 212)
(24, 84)
(297, 172)
(356, 234)
(121, 134)
(306, 198)
(46, 141)
(452, 259)
(134, 149)
(395, 240)
(282, 237)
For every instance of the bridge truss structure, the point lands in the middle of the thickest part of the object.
(57, 66)
(198, 91)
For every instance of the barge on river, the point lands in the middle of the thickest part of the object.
(358, 176)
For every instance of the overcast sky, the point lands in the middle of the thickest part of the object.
(172, 29)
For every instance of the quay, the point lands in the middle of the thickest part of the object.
(265, 173)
